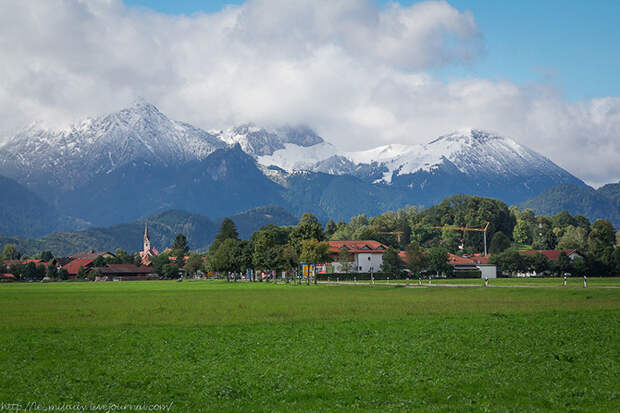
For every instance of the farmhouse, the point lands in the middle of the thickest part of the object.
(365, 256)
(475, 263)
(74, 266)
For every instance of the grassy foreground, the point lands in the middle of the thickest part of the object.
(215, 346)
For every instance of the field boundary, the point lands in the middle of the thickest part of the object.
(481, 285)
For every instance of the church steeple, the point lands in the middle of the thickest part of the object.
(147, 239)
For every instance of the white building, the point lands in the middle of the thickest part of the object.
(365, 256)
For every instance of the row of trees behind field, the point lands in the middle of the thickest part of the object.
(282, 248)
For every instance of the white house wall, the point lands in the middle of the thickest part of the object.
(361, 263)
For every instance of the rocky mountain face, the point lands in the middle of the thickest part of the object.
(65, 159)
(136, 162)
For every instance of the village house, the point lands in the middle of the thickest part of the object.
(468, 265)
(366, 256)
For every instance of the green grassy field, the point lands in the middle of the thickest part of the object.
(210, 345)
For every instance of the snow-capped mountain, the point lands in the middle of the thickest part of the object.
(471, 151)
(136, 161)
(258, 142)
(140, 133)
(468, 161)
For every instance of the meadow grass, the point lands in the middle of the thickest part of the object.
(210, 345)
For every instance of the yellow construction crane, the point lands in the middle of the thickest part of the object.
(397, 233)
(484, 230)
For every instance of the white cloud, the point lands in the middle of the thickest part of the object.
(355, 72)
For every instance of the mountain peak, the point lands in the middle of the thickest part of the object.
(141, 108)
(469, 136)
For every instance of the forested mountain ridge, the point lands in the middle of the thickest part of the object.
(603, 203)
(164, 226)
(25, 214)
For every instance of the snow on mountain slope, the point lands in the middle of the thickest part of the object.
(294, 157)
(138, 133)
(258, 142)
(471, 151)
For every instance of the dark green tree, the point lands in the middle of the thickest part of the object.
(228, 230)
(315, 252)
(180, 248)
(225, 258)
(522, 233)
(330, 228)
(499, 242)
(564, 263)
(63, 274)
(92, 274)
(10, 252)
(308, 228)
(245, 251)
(392, 264)
(540, 263)
(416, 258)
(122, 257)
(81, 274)
(158, 262)
(264, 256)
(194, 263)
(510, 261)
(170, 270)
(601, 236)
(580, 267)
(40, 272)
(52, 272)
(46, 256)
(438, 261)
(99, 261)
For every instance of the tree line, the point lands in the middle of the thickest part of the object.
(410, 229)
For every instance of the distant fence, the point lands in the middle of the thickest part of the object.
(365, 276)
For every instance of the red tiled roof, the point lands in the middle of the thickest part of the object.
(74, 266)
(89, 254)
(8, 263)
(480, 259)
(552, 255)
(456, 260)
(358, 246)
(6, 275)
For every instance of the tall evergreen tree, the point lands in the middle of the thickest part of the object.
(180, 248)
(228, 230)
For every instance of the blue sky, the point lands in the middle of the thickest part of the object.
(573, 45)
